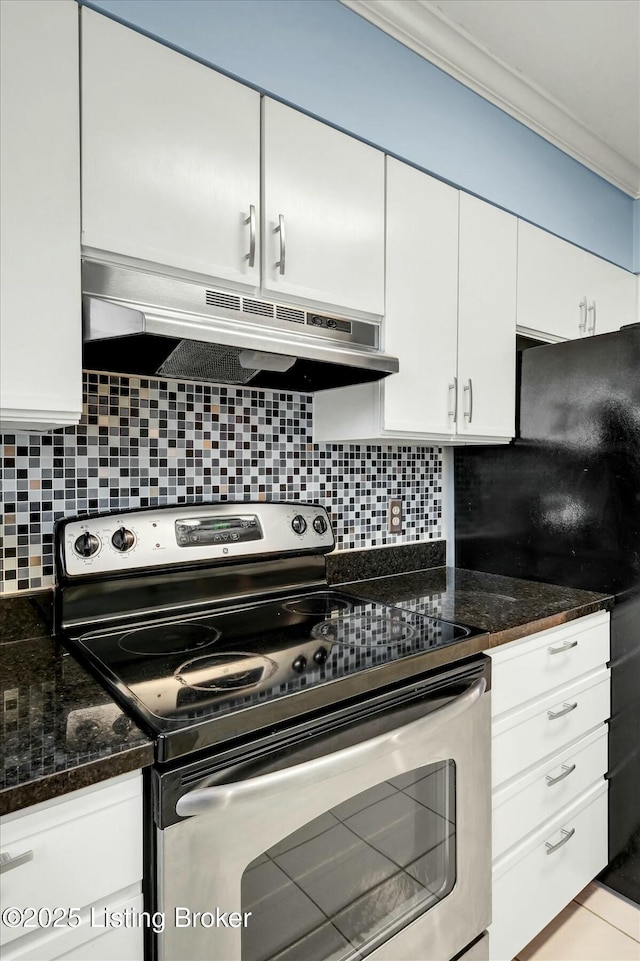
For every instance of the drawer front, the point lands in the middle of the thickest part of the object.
(518, 746)
(540, 795)
(534, 665)
(73, 852)
(535, 888)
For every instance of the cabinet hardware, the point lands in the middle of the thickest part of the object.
(251, 220)
(563, 647)
(567, 835)
(566, 709)
(583, 315)
(592, 311)
(283, 250)
(469, 389)
(567, 769)
(454, 387)
(8, 863)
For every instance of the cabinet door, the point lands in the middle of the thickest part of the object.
(40, 332)
(612, 298)
(420, 326)
(170, 156)
(554, 278)
(323, 200)
(486, 320)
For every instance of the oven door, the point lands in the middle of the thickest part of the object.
(371, 840)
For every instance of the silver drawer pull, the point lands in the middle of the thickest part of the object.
(8, 863)
(567, 769)
(563, 647)
(566, 709)
(567, 835)
(251, 221)
(280, 264)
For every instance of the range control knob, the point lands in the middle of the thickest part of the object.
(299, 664)
(123, 540)
(86, 545)
(321, 655)
(299, 524)
(319, 524)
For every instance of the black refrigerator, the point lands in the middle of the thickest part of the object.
(561, 504)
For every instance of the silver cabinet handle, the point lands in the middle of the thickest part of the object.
(283, 248)
(583, 315)
(291, 779)
(592, 311)
(563, 647)
(468, 388)
(566, 709)
(454, 387)
(251, 220)
(567, 769)
(8, 863)
(567, 835)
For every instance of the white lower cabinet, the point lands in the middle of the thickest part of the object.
(69, 866)
(550, 704)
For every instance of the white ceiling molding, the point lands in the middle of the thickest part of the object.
(426, 31)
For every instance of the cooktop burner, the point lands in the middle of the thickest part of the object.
(168, 639)
(366, 629)
(230, 671)
(322, 605)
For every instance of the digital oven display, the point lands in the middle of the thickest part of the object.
(202, 531)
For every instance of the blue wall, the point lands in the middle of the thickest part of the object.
(326, 60)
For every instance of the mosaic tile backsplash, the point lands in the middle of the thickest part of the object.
(144, 442)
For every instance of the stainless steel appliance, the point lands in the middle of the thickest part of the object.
(142, 323)
(320, 791)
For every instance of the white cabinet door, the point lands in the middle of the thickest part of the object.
(323, 201)
(612, 298)
(553, 284)
(420, 325)
(170, 156)
(40, 326)
(486, 320)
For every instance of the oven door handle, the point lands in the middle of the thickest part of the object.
(208, 799)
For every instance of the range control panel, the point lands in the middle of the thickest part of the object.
(110, 543)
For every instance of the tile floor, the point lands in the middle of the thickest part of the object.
(597, 926)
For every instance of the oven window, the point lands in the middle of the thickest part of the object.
(352, 878)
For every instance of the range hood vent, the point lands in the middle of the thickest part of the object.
(152, 325)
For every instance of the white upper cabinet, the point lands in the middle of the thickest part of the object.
(170, 157)
(450, 319)
(486, 321)
(323, 225)
(565, 293)
(40, 322)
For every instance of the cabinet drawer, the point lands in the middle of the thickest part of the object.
(82, 848)
(531, 885)
(522, 739)
(534, 665)
(527, 802)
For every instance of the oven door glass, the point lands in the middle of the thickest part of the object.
(351, 878)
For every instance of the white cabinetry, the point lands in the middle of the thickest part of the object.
(323, 213)
(40, 326)
(170, 157)
(565, 293)
(550, 702)
(450, 319)
(83, 852)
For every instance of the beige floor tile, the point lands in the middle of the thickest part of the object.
(609, 906)
(579, 935)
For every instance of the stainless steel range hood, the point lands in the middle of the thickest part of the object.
(137, 322)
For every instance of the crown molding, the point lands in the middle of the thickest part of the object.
(426, 31)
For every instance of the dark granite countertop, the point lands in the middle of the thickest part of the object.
(506, 607)
(60, 729)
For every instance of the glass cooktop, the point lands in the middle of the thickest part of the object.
(179, 673)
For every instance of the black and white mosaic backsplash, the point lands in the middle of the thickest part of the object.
(147, 442)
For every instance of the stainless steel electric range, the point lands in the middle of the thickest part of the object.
(318, 791)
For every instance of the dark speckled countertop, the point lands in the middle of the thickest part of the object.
(506, 607)
(60, 730)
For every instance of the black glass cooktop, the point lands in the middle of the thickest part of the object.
(179, 674)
